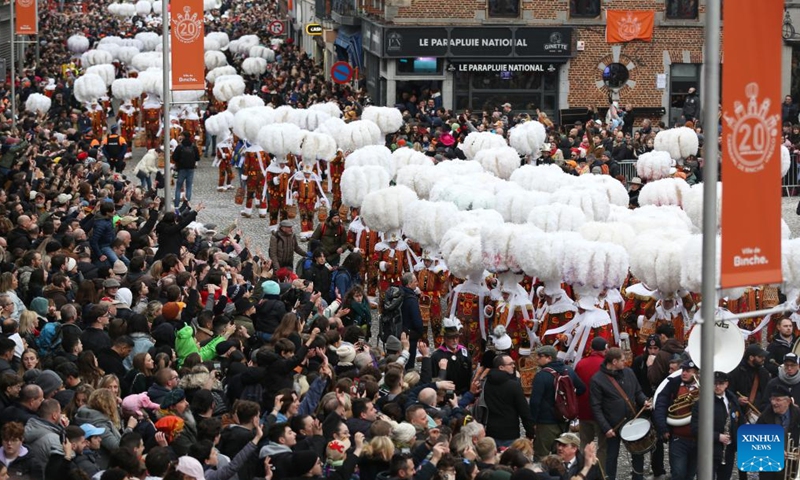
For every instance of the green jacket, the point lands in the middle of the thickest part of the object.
(185, 345)
(8, 158)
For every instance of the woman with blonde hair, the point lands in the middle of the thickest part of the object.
(101, 411)
(110, 382)
(375, 457)
(27, 327)
(8, 285)
(81, 397)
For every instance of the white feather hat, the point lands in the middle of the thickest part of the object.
(376, 155)
(541, 255)
(127, 88)
(426, 222)
(228, 87)
(261, 51)
(618, 233)
(557, 217)
(37, 103)
(334, 127)
(385, 209)
(477, 141)
(388, 119)
(614, 189)
(405, 156)
(501, 161)
(514, 204)
(528, 138)
(651, 217)
(144, 60)
(106, 72)
(318, 146)
(667, 191)
(244, 101)
(360, 133)
(248, 122)
(224, 70)
(125, 54)
(331, 108)
(254, 66)
(77, 44)
(542, 178)
(280, 139)
(96, 57)
(461, 250)
(656, 259)
(654, 165)
(149, 39)
(592, 201)
(596, 265)
(419, 178)
(89, 88)
(358, 182)
(220, 124)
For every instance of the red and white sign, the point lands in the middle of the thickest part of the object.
(27, 17)
(188, 45)
(275, 27)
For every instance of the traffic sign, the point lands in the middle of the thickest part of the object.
(276, 27)
(314, 29)
(341, 72)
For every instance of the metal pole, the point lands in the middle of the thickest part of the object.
(37, 50)
(705, 440)
(13, 70)
(165, 55)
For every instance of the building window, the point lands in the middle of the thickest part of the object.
(503, 8)
(682, 9)
(584, 8)
(615, 76)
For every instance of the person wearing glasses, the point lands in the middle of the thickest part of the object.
(505, 402)
(94, 337)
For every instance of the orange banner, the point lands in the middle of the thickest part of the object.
(751, 137)
(628, 25)
(188, 38)
(27, 17)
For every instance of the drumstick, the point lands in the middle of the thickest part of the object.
(625, 420)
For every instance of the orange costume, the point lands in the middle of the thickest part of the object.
(390, 258)
(558, 310)
(640, 305)
(676, 313)
(255, 169)
(190, 122)
(152, 122)
(126, 116)
(98, 117)
(277, 185)
(515, 312)
(223, 158)
(471, 303)
(432, 279)
(335, 170)
(365, 240)
(305, 188)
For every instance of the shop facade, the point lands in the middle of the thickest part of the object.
(469, 68)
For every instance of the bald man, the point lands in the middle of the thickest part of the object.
(19, 237)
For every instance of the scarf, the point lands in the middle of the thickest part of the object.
(793, 380)
(360, 310)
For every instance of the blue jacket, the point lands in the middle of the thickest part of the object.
(543, 393)
(412, 318)
(103, 235)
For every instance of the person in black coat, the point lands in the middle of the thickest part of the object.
(269, 312)
(457, 358)
(781, 344)
(749, 380)
(611, 409)
(320, 274)
(506, 403)
(169, 229)
(780, 404)
(412, 317)
(726, 408)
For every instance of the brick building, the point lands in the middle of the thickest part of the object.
(546, 54)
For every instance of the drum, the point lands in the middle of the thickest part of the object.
(638, 436)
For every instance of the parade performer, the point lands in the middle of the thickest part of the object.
(514, 311)
(175, 129)
(432, 278)
(471, 303)
(362, 239)
(305, 188)
(335, 170)
(126, 118)
(239, 147)
(98, 118)
(639, 308)
(277, 186)
(253, 173)
(558, 311)
(222, 161)
(190, 122)
(390, 258)
(676, 310)
(152, 121)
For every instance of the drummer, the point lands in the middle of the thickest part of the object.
(727, 418)
(616, 398)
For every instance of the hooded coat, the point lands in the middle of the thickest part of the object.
(505, 401)
(43, 439)
(110, 437)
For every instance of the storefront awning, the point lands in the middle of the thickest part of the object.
(349, 40)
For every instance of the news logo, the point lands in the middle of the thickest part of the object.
(759, 448)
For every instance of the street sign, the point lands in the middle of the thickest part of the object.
(275, 27)
(341, 72)
(314, 29)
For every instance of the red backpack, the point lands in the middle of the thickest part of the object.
(566, 400)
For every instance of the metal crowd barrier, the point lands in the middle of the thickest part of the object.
(790, 183)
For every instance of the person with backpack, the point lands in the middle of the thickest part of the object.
(504, 403)
(332, 236)
(185, 158)
(554, 399)
(615, 397)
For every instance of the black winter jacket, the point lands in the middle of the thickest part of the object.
(505, 401)
(608, 405)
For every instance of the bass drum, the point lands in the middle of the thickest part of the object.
(638, 436)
